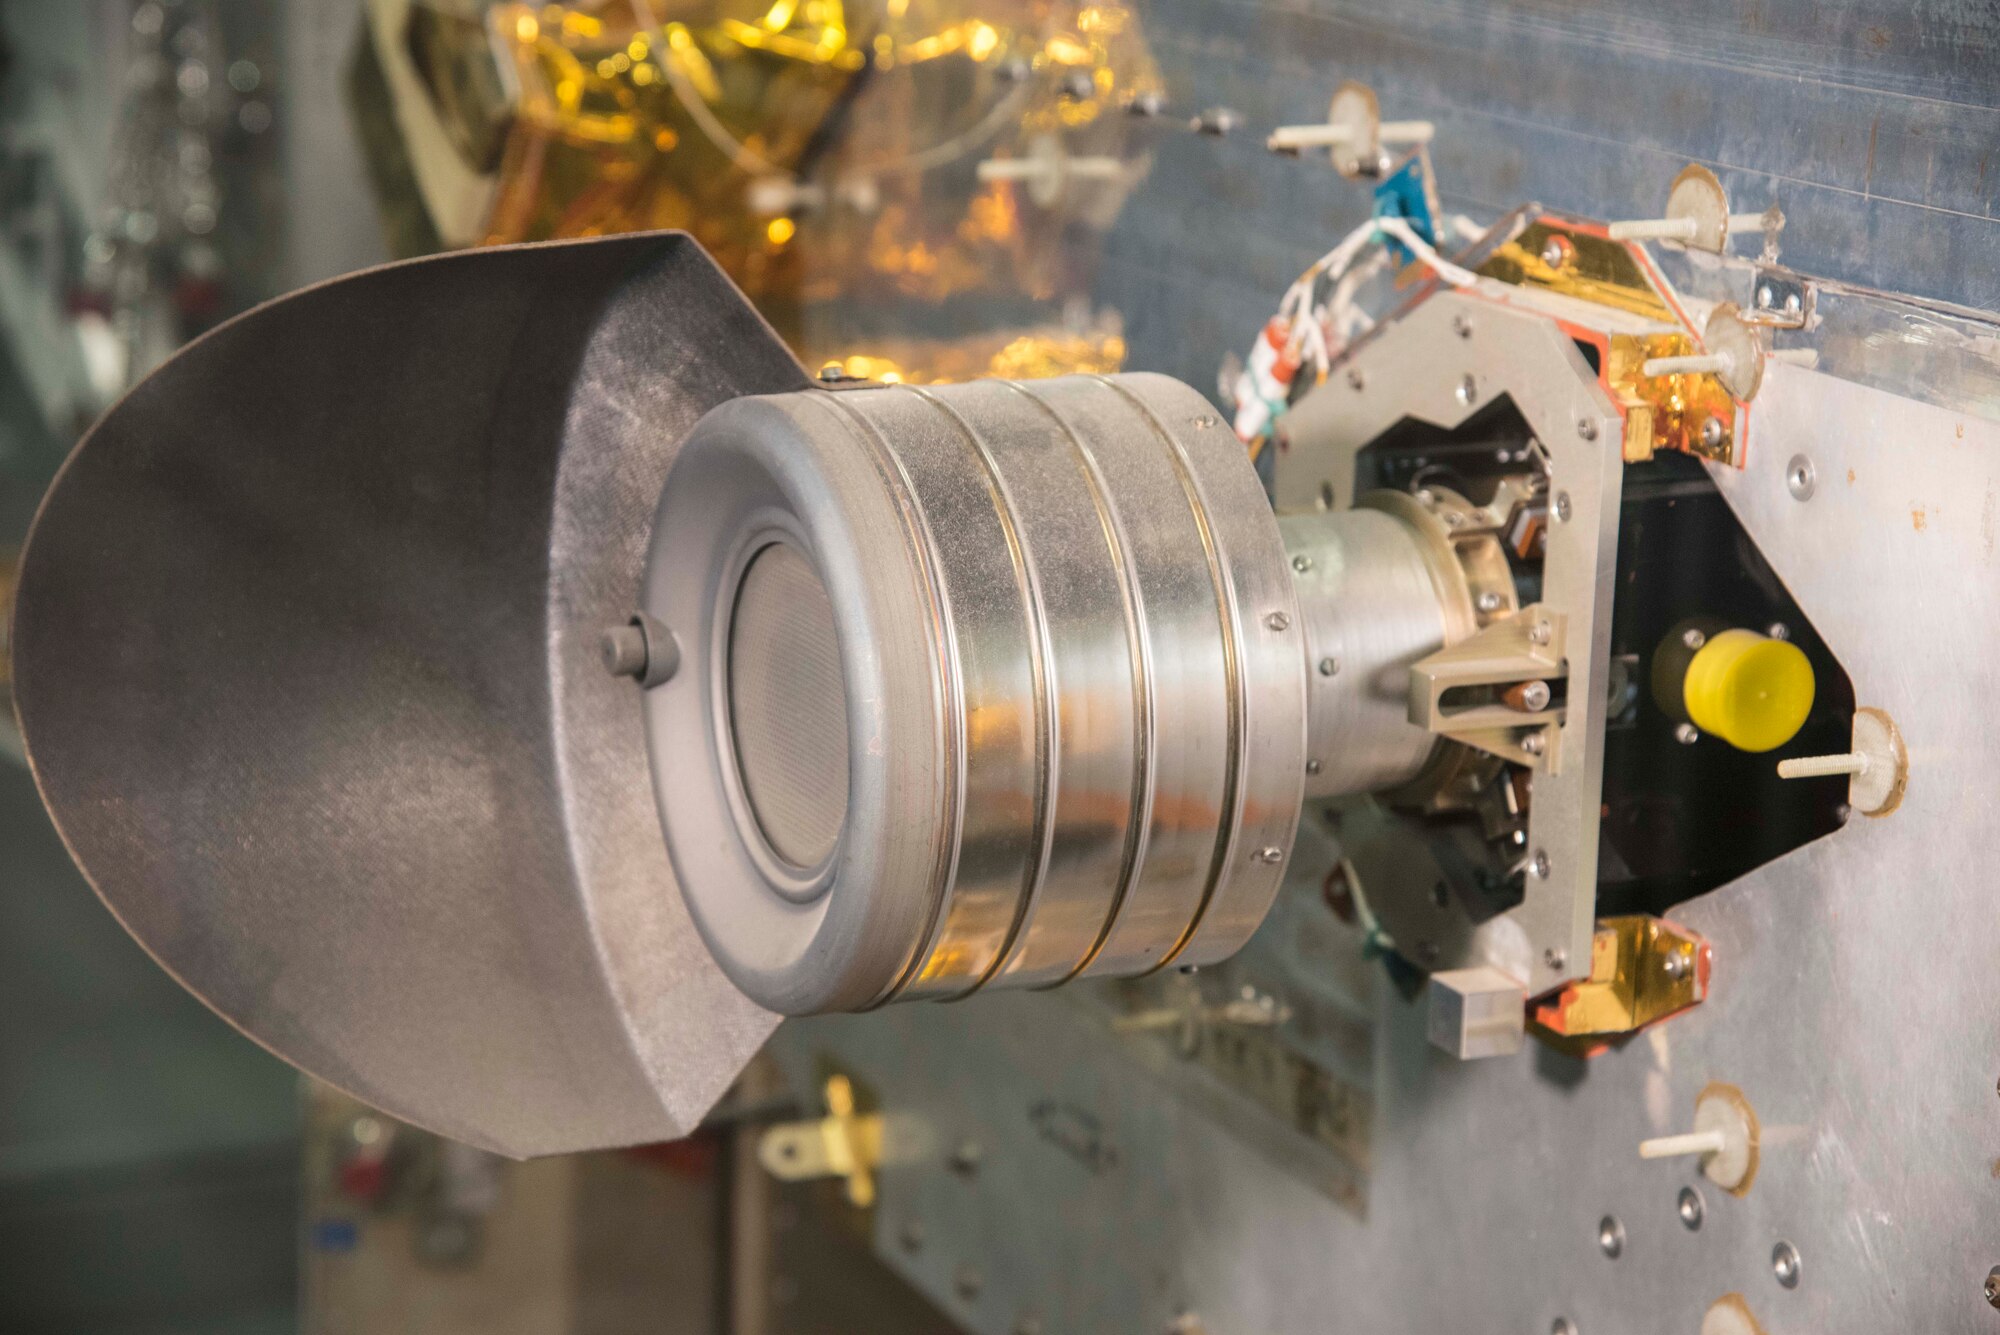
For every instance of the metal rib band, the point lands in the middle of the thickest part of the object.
(1047, 705)
(1232, 657)
(945, 679)
(1140, 820)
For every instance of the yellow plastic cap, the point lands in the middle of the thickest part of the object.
(1752, 691)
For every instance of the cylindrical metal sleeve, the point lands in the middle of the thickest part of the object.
(1372, 608)
(1074, 680)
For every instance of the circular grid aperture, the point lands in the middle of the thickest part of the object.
(788, 706)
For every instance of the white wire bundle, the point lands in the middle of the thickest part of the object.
(1350, 265)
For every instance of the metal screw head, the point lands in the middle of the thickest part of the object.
(1611, 1237)
(1785, 1264)
(1690, 1209)
(1799, 477)
(1461, 325)
(1555, 958)
(1278, 621)
(1563, 510)
(1312, 767)
(832, 375)
(1539, 633)
(1147, 103)
(1078, 87)
(1354, 378)
(1538, 866)
(1693, 637)
(1993, 1286)
(1712, 432)
(1586, 428)
(1468, 391)
(1766, 298)
(1794, 303)
(1687, 734)
(1674, 965)
(1328, 666)
(1216, 121)
(1302, 564)
(1778, 630)
(1488, 601)
(1535, 696)
(1271, 855)
(1534, 744)
(1556, 251)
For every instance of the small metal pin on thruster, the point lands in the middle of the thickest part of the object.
(643, 649)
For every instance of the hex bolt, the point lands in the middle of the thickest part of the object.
(1785, 1264)
(1611, 1237)
(1799, 477)
(1690, 1208)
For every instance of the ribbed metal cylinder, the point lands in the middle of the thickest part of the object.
(1070, 677)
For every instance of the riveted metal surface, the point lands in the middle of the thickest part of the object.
(1849, 1003)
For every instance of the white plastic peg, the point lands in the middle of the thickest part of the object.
(1692, 1142)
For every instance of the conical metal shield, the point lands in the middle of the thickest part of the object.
(307, 663)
